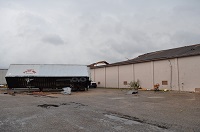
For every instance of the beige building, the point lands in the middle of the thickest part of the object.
(173, 69)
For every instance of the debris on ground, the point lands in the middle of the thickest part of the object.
(132, 92)
(67, 91)
(165, 90)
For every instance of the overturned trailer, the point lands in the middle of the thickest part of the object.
(51, 76)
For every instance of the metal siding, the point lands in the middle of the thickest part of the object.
(112, 77)
(100, 77)
(2, 76)
(47, 70)
(162, 72)
(48, 82)
(143, 73)
(189, 73)
(125, 74)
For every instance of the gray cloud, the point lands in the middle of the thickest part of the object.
(53, 39)
(87, 31)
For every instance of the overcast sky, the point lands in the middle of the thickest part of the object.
(87, 31)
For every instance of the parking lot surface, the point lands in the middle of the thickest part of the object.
(99, 110)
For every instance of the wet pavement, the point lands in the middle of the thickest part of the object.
(99, 110)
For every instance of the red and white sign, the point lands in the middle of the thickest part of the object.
(29, 71)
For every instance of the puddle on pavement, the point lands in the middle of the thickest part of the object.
(129, 120)
(48, 106)
(123, 120)
(75, 104)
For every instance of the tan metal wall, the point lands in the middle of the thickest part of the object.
(189, 73)
(99, 77)
(182, 74)
(143, 73)
(164, 74)
(112, 77)
(126, 74)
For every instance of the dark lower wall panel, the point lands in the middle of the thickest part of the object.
(47, 82)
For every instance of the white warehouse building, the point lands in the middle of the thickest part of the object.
(173, 69)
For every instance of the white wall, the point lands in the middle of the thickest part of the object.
(182, 74)
(189, 73)
(112, 77)
(165, 70)
(2, 76)
(143, 73)
(99, 77)
(126, 73)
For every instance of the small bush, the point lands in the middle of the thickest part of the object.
(134, 84)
